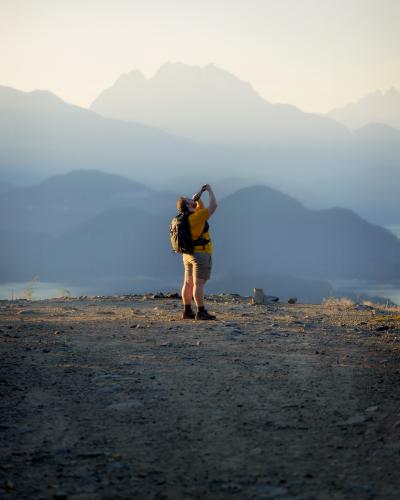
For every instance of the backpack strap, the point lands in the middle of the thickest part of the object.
(200, 241)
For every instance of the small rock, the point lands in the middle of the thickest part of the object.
(118, 467)
(59, 495)
(63, 451)
(372, 409)
(271, 298)
(25, 429)
(358, 420)
(126, 405)
(363, 307)
(10, 485)
(382, 328)
(111, 388)
(41, 456)
(292, 300)
(271, 491)
(231, 487)
(260, 298)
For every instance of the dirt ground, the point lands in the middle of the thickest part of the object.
(118, 398)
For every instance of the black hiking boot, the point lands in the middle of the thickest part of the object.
(203, 314)
(188, 314)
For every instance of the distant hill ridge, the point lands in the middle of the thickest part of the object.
(40, 133)
(277, 233)
(257, 231)
(62, 202)
(376, 107)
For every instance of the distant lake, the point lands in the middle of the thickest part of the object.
(38, 290)
(42, 290)
(382, 290)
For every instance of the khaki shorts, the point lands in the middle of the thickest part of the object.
(197, 265)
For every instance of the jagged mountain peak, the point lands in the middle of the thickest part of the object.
(210, 104)
(176, 74)
(132, 76)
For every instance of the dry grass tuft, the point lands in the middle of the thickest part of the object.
(383, 307)
(346, 303)
(335, 302)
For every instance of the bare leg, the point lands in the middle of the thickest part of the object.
(198, 292)
(187, 290)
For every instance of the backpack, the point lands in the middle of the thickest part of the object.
(179, 234)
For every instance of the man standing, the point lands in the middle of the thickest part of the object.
(198, 264)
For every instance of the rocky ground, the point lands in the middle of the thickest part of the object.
(109, 398)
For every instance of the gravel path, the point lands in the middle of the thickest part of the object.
(109, 398)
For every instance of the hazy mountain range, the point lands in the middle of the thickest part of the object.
(262, 238)
(376, 107)
(88, 226)
(41, 135)
(212, 106)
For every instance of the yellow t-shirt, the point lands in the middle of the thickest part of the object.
(196, 223)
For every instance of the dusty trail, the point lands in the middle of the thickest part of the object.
(118, 398)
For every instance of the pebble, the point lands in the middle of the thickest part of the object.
(231, 487)
(382, 328)
(358, 420)
(363, 307)
(10, 485)
(271, 491)
(126, 405)
(59, 495)
(62, 451)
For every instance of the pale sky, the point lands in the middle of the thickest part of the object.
(315, 54)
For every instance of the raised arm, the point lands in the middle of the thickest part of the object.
(212, 206)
